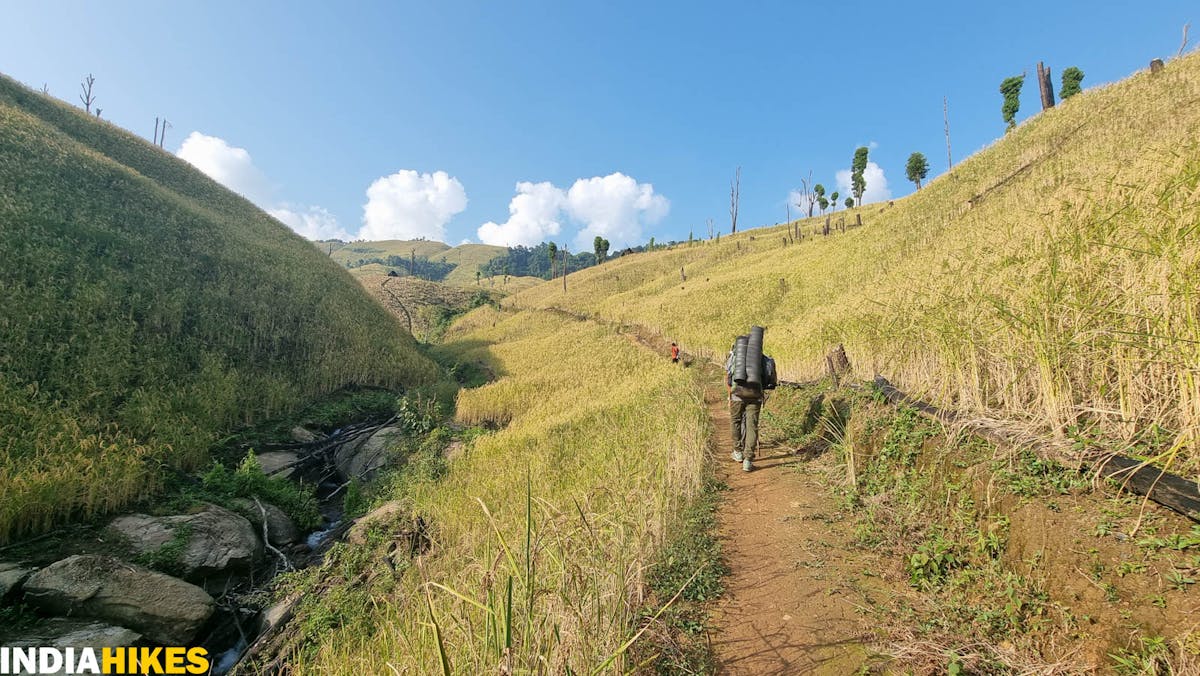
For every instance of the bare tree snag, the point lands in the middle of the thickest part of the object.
(946, 118)
(1044, 87)
(809, 195)
(1183, 45)
(155, 131)
(46, 89)
(87, 97)
(735, 192)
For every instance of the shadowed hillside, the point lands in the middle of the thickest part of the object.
(145, 310)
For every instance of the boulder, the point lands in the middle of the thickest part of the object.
(281, 529)
(162, 608)
(218, 542)
(61, 632)
(12, 576)
(390, 515)
(455, 450)
(278, 463)
(301, 435)
(361, 458)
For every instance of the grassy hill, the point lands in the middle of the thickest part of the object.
(468, 258)
(1052, 277)
(352, 252)
(145, 310)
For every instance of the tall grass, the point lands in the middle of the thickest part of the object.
(543, 530)
(145, 311)
(1051, 277)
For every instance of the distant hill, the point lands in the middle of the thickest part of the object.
(145, 311)
(463, 265)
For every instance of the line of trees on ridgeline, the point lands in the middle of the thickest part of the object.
(423, 268)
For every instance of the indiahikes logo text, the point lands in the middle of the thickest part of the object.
(103, 661)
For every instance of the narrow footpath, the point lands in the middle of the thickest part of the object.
(797, 589)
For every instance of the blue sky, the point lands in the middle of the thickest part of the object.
(521, 121)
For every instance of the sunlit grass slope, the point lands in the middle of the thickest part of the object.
(610, 440)
(468, 259)
(1053, 276)
(145, 310)
(424, 248)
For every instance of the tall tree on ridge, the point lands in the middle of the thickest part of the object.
(858, 183)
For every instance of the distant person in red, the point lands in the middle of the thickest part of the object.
(674, 353)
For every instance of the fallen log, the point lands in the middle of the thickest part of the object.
(1169, 490)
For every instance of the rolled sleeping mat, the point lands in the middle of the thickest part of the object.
(739, 360)
(754, 356)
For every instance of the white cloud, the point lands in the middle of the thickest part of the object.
(311, 222)
(615, 207)
(233, 168)
(877, 185)
(228, 165)
(534, 214)
(408, 205)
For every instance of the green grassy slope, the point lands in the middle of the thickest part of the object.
(1054, 276)
(424, 248)
(145, 310)
(468, 258)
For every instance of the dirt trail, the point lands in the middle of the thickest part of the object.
(798, 586)
(792, 598)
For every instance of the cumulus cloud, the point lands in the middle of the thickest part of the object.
(233, 168)
(228, 165)
(310, 222)
(877, 186)
(615, 207)
(409, 205)
(534, 214)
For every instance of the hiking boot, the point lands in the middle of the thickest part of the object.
(747, 465)
(737, 456)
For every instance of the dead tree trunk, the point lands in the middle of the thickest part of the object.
(735, 192)
(1044, 86)
(87, 97)
(946, 117)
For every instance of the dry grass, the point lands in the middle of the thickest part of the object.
(1052, 277)
(601, 443)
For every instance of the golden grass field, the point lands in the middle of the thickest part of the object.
(1051, 278)
(609, 437)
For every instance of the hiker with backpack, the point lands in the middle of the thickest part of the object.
(749, 374)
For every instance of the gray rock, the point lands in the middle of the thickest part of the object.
(280, 528)
(12, 576)
(163, 609)
(390, 515)
(301, 435)
(275, 462)
(61, 632)
(219, 542)
(454, 451)
(362, 458)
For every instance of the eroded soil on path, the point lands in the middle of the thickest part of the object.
(795, 598)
